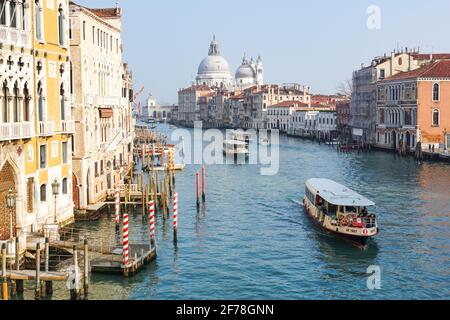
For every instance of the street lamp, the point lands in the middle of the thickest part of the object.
(55, 189)
(10, 203)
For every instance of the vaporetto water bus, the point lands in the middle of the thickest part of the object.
(340, 210)
(235, 147)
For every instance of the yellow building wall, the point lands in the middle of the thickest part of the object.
(51, 52)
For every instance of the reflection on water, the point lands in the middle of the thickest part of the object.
(252, 240)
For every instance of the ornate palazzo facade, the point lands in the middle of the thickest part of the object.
(35, 116)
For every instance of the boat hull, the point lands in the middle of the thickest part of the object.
(358, 240)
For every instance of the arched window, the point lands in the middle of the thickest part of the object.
(40, 102)
(38, 19)
(61, 25)
(5, 102)
(26, 104)
(43, 193)
(13, 14)
(16, 103)
(64, 186)
(436, 92)
(2, 12)
(436, 117)
(62, 98)
(23, 15)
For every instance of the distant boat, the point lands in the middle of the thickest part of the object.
(235, 147)
(333, 142)
(242, 136)
(340, 210)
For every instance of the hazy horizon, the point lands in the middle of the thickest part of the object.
(317, 44)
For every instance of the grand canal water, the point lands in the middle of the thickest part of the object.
(254, 241)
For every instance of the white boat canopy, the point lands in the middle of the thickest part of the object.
(234, 142)
(337, 194)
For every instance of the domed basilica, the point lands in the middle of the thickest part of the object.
(214, 71)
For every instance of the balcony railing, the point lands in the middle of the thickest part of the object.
(68, 126)
(46, 128)
(15, 131)
(20, 38)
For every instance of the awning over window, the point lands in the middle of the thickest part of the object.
(106, 113)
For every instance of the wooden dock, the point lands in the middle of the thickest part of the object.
(140, 255)
(31, 275)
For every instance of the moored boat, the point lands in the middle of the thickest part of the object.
(340, 210)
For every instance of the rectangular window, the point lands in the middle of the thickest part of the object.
(43, 156)
(2, 12)
(84, 30)
(70, 29)
(55, 149)
(30, 194)
(96, 169)
(64, 152)
(93, 35)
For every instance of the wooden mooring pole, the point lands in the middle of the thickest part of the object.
(86, 268)
(37, 290)
(48, 284)
(19, 283)
(75, 292)
(203, 184)
(197, 191)
(5, 293)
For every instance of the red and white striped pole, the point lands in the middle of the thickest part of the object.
(125, 239)
(175, 216)
(152, 222)
(117, 208)
(197, 191)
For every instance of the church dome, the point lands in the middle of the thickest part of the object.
(245, 71)
(214, 70)
(214, 64)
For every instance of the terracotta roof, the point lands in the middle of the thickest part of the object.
(199, 87)
(314, 109)
(288, 103)
(427, 56)
(237, 97)
(438, 69)
(105, 12)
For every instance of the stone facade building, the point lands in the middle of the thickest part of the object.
(279, 115)
(35, 117)
(313, 122)
(414, 107)
(102, 104)
(188, 103)
(364, 93)
(343, 120)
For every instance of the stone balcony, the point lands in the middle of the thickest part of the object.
(68, 126)
(15, 131)
(11, 36)
(46, 128)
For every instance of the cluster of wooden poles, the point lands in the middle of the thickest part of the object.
(44, 280)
